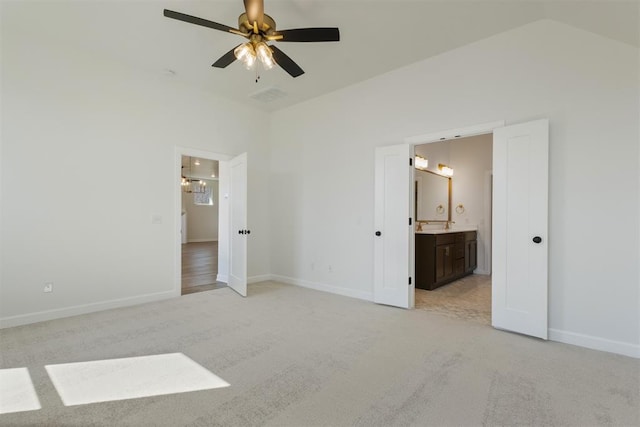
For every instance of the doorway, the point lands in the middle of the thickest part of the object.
(519, 228)
(453, 227)
(199, 224)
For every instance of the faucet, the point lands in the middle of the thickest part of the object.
(447, 224)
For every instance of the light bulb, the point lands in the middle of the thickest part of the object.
(264, 53)
(445, 170)
(421, 163)
(246, 54)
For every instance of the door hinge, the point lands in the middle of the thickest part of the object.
(409, 280)
(409, 221)
(410, 161)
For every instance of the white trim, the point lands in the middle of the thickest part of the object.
(259, 278)
(41, 316)
(595, 343)
(201, 240)
(463, 132)
(224, 278)
(488, 220)
(352, 293)
(193, 152)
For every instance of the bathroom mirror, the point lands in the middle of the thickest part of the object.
(432, 196)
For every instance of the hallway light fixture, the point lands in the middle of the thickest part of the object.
(445, 170)
(421, 163)
(189, 184)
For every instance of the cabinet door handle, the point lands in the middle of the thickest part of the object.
(537, 239)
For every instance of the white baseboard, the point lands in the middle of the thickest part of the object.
(41, 316)
(201, 240)
(259, 278)
(595, 343)
(222, 278)
(367, 296)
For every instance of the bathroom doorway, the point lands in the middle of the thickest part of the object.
(452, 190)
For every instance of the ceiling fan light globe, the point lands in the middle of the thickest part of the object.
(265, 55)
(246, 54)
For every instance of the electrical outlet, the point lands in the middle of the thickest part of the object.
(48, 287)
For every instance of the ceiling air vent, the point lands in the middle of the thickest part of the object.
(268, 95)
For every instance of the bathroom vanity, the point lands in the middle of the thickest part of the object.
(443, 256)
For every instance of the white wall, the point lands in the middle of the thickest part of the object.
(98, 139)
(202, 220)
(322, 169)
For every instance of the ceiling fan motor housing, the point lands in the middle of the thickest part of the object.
(268, 25)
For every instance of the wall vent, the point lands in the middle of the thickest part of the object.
(268, 95)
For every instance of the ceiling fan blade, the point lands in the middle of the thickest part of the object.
(225, 59)
(255, 11)
(198, 21)
(286, 63)
(310, 35)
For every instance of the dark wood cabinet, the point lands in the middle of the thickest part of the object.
(443, 258)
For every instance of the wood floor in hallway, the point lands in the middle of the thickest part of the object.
(200, 267)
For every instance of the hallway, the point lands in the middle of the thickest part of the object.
(200, 267)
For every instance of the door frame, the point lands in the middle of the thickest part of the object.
(449, 135)
(223, 220)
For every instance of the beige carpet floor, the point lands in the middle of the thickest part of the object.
(468, 298)
(298, 357)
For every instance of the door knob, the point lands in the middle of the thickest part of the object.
(248, 231)
(537, 239)
(239, 231)
(378, 233)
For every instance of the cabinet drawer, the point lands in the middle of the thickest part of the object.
(445, 239)
(470, 235)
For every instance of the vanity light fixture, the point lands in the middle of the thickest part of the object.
(421, 163)
(445, 170)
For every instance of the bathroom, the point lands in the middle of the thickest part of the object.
(453, 187)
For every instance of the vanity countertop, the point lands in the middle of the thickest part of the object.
(451, 230)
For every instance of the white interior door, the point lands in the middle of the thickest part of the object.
(520, 197)
(393, 235)
(238, 230)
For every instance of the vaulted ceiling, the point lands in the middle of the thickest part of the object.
(376, 36)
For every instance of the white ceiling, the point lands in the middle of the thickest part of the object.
(195, 167)
(376, 36)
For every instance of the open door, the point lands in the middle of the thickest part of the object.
(238, 220)
(393, 232)
(520, 198)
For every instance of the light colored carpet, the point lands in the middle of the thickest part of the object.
(468, 298)
(298, 357)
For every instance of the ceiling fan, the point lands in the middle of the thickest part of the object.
(259, 28)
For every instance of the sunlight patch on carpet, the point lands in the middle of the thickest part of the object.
(17, 393)
(129, 378)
